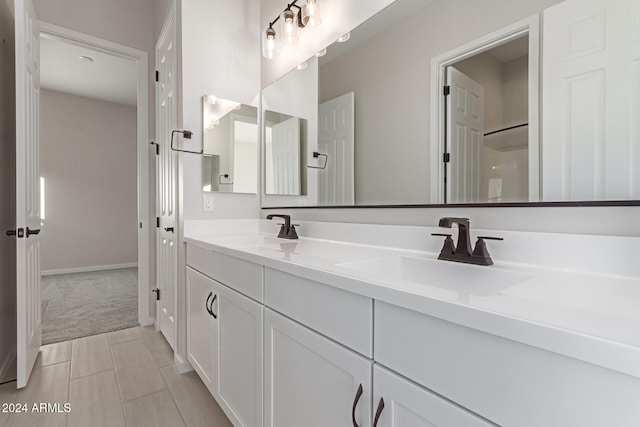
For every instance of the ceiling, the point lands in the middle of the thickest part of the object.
(108, 77)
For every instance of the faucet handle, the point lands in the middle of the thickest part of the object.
(480, 250)
(449, 247)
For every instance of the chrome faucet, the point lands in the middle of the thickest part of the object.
(288, 230)
(461, 252)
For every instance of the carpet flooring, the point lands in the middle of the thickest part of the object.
(82, 304)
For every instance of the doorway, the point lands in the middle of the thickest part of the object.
(94, 186)
(493, 158)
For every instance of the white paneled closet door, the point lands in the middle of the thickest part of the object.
(27, 189)
(166, 178)
(591, 100)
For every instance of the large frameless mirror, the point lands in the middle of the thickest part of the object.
(230, 134)
(430, 102)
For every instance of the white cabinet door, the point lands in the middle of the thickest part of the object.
(311, 381)
(238, 356)
(400, 403)
(200, 324)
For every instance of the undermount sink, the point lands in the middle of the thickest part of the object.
(463, 278)
(250, 240)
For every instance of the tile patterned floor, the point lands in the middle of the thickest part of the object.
(122, 378)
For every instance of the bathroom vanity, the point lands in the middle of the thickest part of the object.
(320, 332)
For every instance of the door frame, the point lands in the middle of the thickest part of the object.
(530, 26)
(142, 124)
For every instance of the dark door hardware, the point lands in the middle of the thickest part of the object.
(157, 222)
(30, 232)
(157, 147)
(187, 134)
(355, 405)
(157, 292)
(317, 155)
(446, 91)
(168, 229)
(157, 75)
(19, 232)
(461, 251)
(378, 412)
(288, 230)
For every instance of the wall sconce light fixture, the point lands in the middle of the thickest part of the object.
(290, 20)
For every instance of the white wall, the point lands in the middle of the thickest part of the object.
(220, 56)
(88, 160)
(7, 190)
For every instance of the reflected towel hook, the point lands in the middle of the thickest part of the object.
(315, 156)
(226, 176)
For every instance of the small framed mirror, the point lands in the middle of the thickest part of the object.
(230, 140)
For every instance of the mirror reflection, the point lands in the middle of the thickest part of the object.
(230, 145)
(285, 139)
(455, 103)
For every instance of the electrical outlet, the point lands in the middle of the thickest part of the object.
(207, 203)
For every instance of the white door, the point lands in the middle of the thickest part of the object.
(166, 119)
(27, 189)
(238, 356)
(336, 139)
(465, 137)
(400, 403)
(591, 100)
(285, 145)
(200, 324)
(310, 380)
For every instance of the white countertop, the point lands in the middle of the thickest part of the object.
(590, 317)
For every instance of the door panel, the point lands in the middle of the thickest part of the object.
(286, 156)
(166, 175)
(336, 139)
(465, 137)
(27, 188)
(591, 96)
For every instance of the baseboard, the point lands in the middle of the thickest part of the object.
(6, 365)
(88, 269)
(182, 365)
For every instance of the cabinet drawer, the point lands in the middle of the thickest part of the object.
(340, 315)
(507, 382)
(200, 259)
(240, 275)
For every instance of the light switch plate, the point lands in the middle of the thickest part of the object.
(207, 203)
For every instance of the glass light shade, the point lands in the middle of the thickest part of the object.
(321, 53)
(270, 44)
(302, 65)
(289, 27)
(311, 15)
(344, 38)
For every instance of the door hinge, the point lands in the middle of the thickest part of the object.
(157, 75)
(446, 157)
(157, 222)
(157, 292)
(447, 90)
